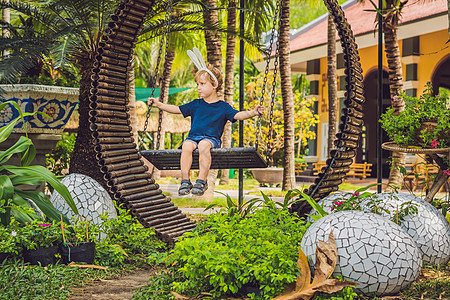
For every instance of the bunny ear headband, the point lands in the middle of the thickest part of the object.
(198, 61)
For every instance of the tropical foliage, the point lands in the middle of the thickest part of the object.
(230, 254)
(273, 141)
(408, 127)
(36, 235)
(14, 200)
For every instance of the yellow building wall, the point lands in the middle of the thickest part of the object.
(432, 49)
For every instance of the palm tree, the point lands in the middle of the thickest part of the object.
(392, 15)
(288, 98)
(214, 57)
(229, 78)
(70, 32)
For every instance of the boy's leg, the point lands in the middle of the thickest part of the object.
(186, 158)
(186, 162)
(204, 162)
(204, 159)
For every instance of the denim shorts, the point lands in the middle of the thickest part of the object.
(215, 143)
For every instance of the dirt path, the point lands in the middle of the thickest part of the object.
(120, 288)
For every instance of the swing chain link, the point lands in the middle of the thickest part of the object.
(263, 91)
(164, 39)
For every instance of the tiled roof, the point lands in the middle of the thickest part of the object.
(362, 20)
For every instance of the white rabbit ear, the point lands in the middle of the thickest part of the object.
(200, 57)
(199, 62)
(194, 59)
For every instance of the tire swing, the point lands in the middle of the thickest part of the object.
(350, 128)
(221, 158)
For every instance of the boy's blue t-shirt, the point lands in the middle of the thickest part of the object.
(208, 119)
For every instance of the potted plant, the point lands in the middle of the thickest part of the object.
(424, 123)
(40, 242)
(78, 241)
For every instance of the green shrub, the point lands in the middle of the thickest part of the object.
(37, 235)
(126, 239)
(228, 255)
(59, 159)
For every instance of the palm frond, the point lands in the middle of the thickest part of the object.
(34, 11)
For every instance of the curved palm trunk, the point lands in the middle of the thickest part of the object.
(229, 79)
(392, 51)
(332, 85)
(83, 159)
(214, 56)
(164, 97)
(288, 99)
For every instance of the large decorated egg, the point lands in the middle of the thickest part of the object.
(372, 251)
(428, 227)
(91, 199)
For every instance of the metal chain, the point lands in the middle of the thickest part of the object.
(164, 39)
(263, 91)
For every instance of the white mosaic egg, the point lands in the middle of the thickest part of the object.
(372, 251)
(89, 196)
(327, 202)
(428, 228)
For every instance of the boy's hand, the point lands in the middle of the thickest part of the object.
(259, 110)
(153, 102)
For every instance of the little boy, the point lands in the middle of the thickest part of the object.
(209, 115)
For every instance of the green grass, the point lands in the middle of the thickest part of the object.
(346, 186)
(249, 184)
(433, 283)
(188, 202)
(269, 193)
(20, 281)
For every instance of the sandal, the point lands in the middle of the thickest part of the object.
(185, 187)
(200, 187)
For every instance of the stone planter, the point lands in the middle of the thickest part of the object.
(271, 176)
(55, 101)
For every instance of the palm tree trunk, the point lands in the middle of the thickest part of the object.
(83, 159)
(392, 51)
(332, 85)
(6, 18)
(164, 97)
(214, 56)
(288, 100)
(229, 79)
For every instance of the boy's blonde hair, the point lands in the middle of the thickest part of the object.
(216, 73)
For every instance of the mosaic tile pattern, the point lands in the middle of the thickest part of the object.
(90, 197)
(58, 103)
(327, 202)
(428, 228)
(372, 251)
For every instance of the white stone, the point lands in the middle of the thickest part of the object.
(89, 196)
(377, 259)
(428, 228)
